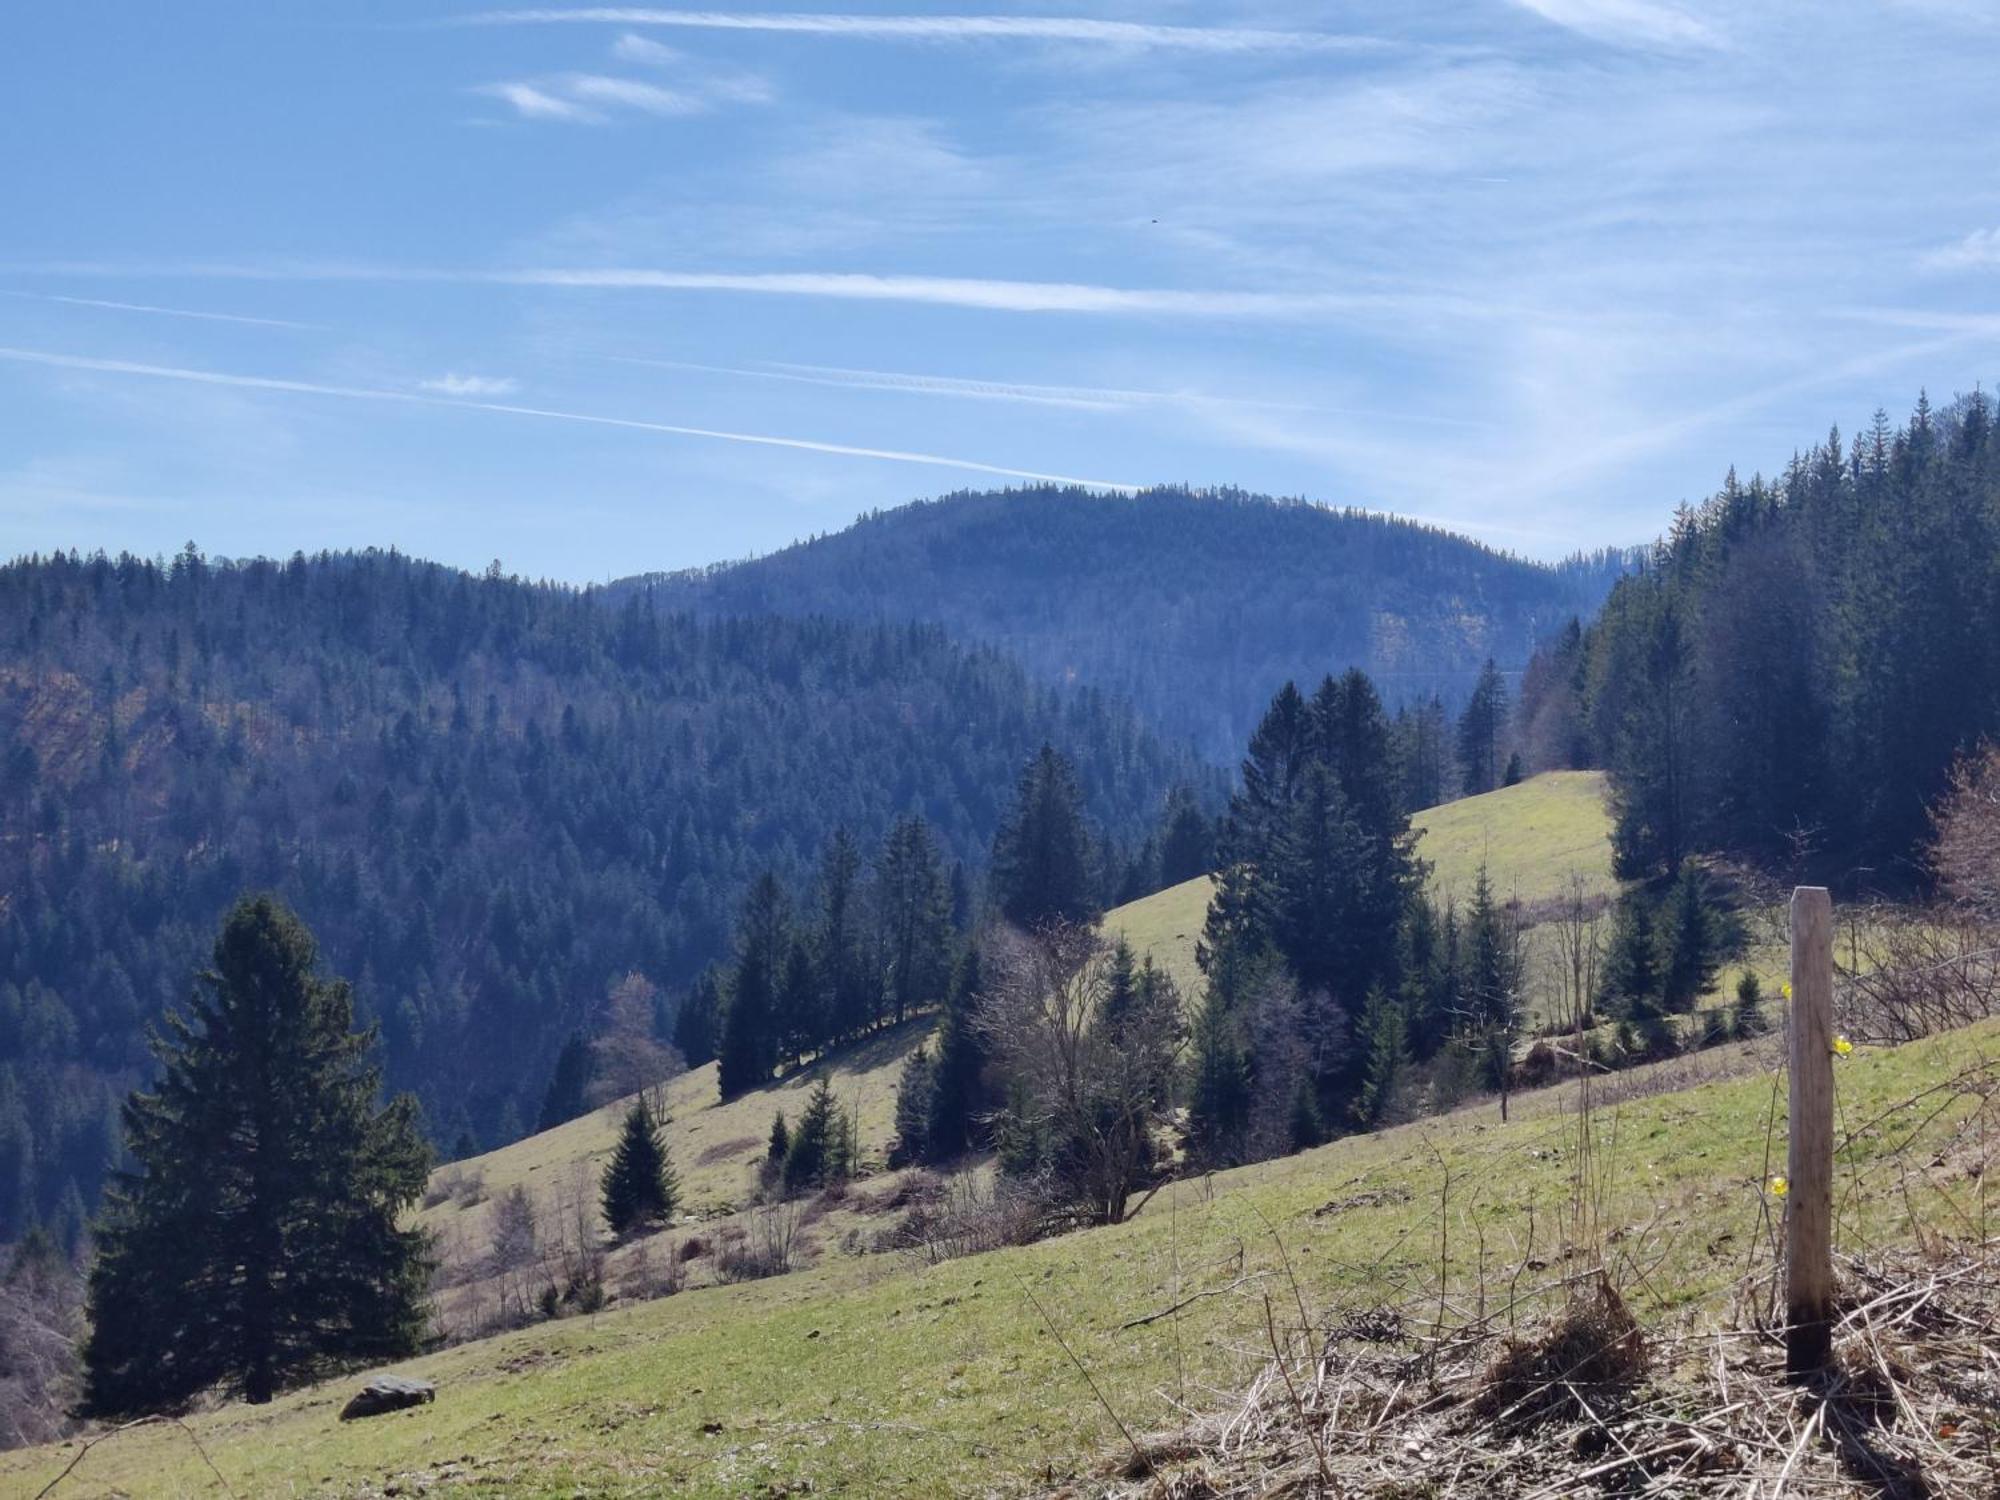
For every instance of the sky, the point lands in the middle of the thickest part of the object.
(595, 291)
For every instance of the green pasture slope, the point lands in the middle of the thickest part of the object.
(875, 1375)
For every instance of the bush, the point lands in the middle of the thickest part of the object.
(465, 1188)
(767, 1250)
(969, 1215)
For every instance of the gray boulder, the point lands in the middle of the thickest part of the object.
(387, 1393)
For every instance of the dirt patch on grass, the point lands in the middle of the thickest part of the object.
(724, 1150)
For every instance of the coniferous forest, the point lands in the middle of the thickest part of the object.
(563, 843)
(491, 800)
(1194, 605)
(1793, 671)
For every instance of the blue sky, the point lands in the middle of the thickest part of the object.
(597, 291)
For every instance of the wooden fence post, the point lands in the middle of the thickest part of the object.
(1809, 1165)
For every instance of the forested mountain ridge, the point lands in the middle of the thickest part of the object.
(491, 799)
(1794, 671)
(1195, 605)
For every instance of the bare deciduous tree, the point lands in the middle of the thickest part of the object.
(627, 1056)
(1091, 1053)
(1965, 844)
(1571, 959)
(41, 1317)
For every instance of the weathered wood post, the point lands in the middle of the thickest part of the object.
(1809, 1197)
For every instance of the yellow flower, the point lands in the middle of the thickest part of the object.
(1842, 1045)
(1778, 1186)
(1785, 989)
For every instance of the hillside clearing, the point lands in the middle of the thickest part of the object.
(870, 1375)
(716, 1149)
(1532, 838)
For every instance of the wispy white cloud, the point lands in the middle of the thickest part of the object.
(979, 293)
(1643, 23)
(642, 49)
(700, 77)
(967, 292)
(1127, 34)
(1075, 397)
(166, 312)
(1977, 251)
(580, 98)
(649, 98)
(534, 103)
(454, 384)
(51, 359)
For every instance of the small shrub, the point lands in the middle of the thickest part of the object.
(647, 1278)
(767, 1251)
(1592, 1356)
(968, 1216)
(466, 1189)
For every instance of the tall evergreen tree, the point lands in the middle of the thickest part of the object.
(1320, 877)
(1042, 860)
(1386, 1053)
(800, 1022)
(750, 1027)
(1215, 1126)
(959, 1102)
(1494, 965)
(1243, 914)
(1631, 976)
(915, 1089)
(1690, 940)
(913, 904)
(699, 1019)
(1480, 729)
(820, 1143)
(564, 1099)
(1187, 840)
(257, 1241)
(849, 988)
(640, 1187)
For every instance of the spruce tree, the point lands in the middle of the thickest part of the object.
(913, 904)
(697, 1021)
(640, 1187)
(1042, 859)
(1187, 840)
(800, 1021)
(565, 1097)
(1690, 946)
(1480, 728)
(820, 1147)
(1631, 980)
(849, 992)
(914, 1090)
(776, 1147)
(1218, 1111)
(1494, 964)
(749, 1047)
(959, 1100)
(256, 1242)
(1746, 1017)
(1385, 1047)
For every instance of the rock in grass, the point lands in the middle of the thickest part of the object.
(387, 1393)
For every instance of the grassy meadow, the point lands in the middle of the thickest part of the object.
(1532, 838)
(873, 1375)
